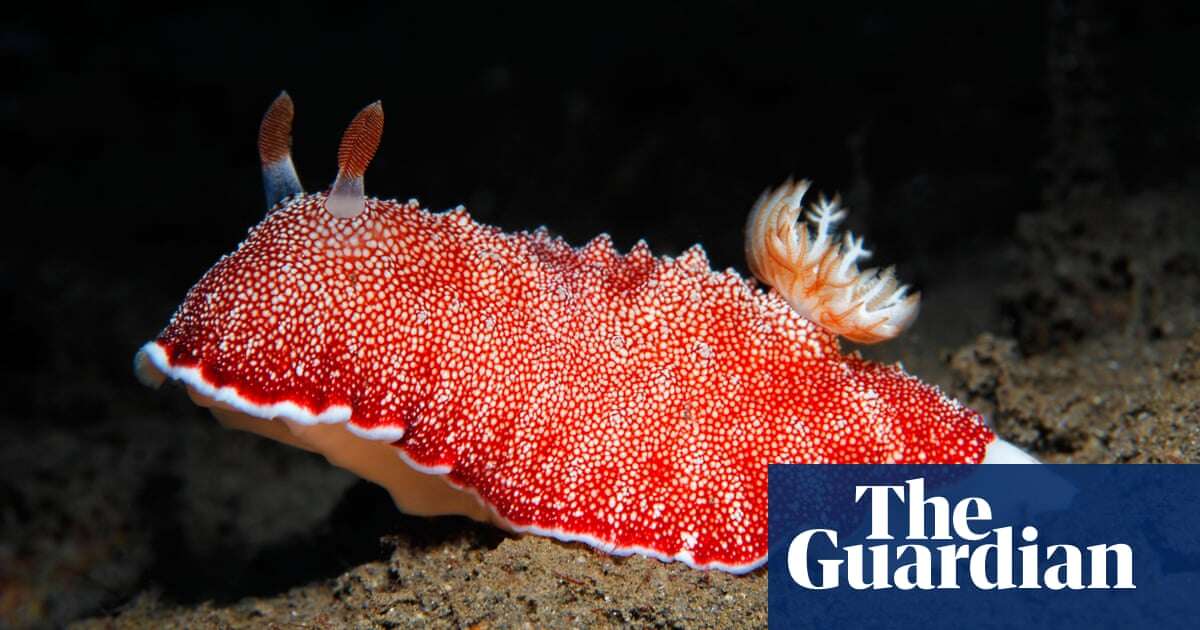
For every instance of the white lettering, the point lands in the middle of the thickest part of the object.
(990, 566)
(916, 512)
(1072, 569)
(1029, 558)
(919, 572)
(797, 561)
(879, 508)
(950, 555)
(979, 562)
(855, 576)
(1124, 555)
(963, 517)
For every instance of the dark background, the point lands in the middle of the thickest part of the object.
(129, 161)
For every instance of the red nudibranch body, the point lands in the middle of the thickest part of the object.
(627, 401)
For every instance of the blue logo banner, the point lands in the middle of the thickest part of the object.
(940, 546)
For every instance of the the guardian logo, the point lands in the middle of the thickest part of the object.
(978, 555)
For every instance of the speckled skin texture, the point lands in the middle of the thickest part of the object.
(627, 401)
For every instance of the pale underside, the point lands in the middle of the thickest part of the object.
(379, 462)
(414, 492)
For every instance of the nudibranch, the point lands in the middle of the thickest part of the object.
(627, 401)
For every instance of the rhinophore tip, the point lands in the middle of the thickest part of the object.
(359, 143)
(275, 150)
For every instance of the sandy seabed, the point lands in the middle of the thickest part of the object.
(1078, 340)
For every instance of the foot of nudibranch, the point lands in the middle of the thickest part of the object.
(413, 491)
(1004, 452)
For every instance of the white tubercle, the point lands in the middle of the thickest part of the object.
(817, 273)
